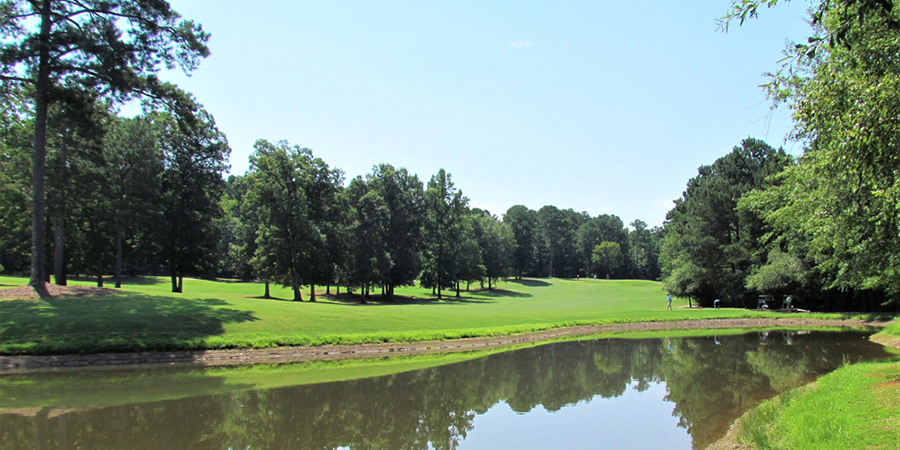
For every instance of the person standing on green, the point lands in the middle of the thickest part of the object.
(669, 305)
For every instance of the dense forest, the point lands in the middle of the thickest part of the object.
(86, 191)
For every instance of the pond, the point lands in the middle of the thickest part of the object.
(674, 393)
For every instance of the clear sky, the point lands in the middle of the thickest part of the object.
(607, 107)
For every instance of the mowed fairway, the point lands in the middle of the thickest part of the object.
(220, 314)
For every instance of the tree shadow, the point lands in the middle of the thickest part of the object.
(113, 323)
(530, 282)
(500, 293)
(873, 317)
(271, 297)
(378, 300)
(136, 280)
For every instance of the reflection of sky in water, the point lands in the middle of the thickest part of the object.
(635, 420)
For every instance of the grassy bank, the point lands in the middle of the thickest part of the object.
(220, 315)
(855, 407)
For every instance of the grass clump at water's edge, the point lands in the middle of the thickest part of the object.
(230, 315)
(855, 407)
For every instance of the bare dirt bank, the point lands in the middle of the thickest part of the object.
(296, 354)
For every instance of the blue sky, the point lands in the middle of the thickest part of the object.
(599, 106)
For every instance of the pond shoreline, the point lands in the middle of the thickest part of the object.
(730, 440)
(15, 364)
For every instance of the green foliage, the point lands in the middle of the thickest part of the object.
(844, 193)
(607, 258)
(643, 250)
(292, 194)
(194, 159)
(710, 245)
(782, 272)
(497, 244)
(443, 233)
(15, 178)
(523, 222)
(404, 199)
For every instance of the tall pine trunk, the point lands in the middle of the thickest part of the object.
(59, 266)
(39, 157)
(119, 257)
(100, 270)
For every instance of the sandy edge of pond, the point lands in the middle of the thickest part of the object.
(10, 364)
(730, 441)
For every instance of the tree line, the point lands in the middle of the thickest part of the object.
(149, 195)
(824, 227)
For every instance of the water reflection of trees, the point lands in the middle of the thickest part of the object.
(711, 384)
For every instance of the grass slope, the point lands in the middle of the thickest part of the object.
(213, 315)
(855, 407)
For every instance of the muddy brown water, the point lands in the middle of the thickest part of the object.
(676, 393)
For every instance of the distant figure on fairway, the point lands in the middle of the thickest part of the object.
(669, 301)
(716, 303)
(787, 303)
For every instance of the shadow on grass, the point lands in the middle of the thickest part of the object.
(874, 317)
(378, 300)
(530, 282)
(109, 280)
(271, 297)
(501, 293)
(112, 323)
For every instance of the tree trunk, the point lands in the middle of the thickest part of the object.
(59, 267)
(489, 283)
(39, 156)
(328, 289)
(100, 271)
(174, 281)
(266, 295)
(295, 285)
(180, 283)
(312, 292)
(457, 288)
(119, 258)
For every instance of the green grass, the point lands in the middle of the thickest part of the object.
(218, 315)
(855, 407)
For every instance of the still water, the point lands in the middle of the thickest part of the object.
(676, 393)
